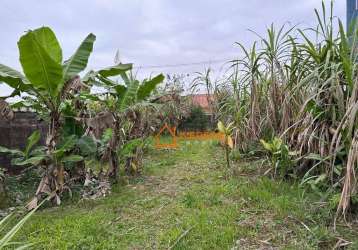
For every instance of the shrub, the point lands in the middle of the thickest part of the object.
(196, 121)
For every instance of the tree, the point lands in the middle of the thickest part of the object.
(49, 82)
(120, 100)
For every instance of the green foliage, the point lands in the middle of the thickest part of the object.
(72, 159)
(148, 86)
(317, 184)
(30, 155)
(52, 88)
(87, 146)
(334, 201)
(13, 78)
(228, 142)
(122, 95)
(128, 149)
(107, 136)
(220, 211)
(300, 85)
(235, 155)
(280, 156)
(38, 156)
(197, 120)
(40, 57)
(78, 61)
(116, 70)
(33, 139)
(46, 74)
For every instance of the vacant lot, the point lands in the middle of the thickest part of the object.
(186, 199)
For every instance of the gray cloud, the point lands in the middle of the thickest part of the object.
(152, 32)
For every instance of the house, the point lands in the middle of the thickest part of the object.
(202, 100)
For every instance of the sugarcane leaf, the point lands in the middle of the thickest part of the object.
(5, 240)
(345, 55)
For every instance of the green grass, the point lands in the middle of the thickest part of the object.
(186, 194)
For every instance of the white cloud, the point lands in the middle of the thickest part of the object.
(151, 32)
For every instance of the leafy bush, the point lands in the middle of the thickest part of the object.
(280, 157)
(196, 121)
(235, 155)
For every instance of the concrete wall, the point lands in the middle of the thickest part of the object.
(13, 134)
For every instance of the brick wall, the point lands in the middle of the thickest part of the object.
(13, 134)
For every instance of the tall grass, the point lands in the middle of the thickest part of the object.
(303, 90)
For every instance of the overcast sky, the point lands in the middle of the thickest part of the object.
(152, 32)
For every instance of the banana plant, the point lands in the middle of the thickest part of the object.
(130, 153)
(228, 142)
(29, 155)
(49, 82)
(120, 99)
(280, 156)
(34, 155)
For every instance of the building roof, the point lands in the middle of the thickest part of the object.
(202, 101)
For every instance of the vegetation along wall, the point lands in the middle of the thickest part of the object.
(14, 134)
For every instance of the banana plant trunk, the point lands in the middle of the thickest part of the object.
(53, 132)
(53, 180)
(113, 157)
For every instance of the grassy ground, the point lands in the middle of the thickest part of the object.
(185, 201)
